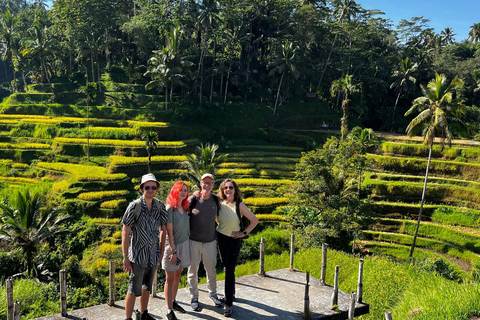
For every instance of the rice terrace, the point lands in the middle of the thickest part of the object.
(349, 133)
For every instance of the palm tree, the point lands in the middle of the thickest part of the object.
(27, 225)
(283, 63)
(39, 43)
(474, 33)
(438, 109)
(90, 91)
(204, 160)
(448, 36)
(151, 140)
(345, 87)
(7, 23)
(343, 10)
(403, 77)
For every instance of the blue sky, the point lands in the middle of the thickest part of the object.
(456, 14)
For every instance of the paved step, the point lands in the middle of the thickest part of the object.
(278, 295)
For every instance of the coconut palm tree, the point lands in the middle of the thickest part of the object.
(438, 109)
(474, 33)
(7, 23)
(448, 36)
(25, 224)
(151, 140)
(284, 63)
(403, 77)
(345, 87)
(204, 160)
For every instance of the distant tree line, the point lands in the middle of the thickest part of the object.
(242, 50)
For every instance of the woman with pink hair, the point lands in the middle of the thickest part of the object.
(177, 250)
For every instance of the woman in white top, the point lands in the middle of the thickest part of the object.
(177, 250)
(230, 235)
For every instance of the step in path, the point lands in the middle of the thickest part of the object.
(279, 295)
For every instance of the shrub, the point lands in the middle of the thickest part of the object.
(111, 221)
(98, 195)
(262, 182)
(113, 204)
(6, 145)
(265, 201)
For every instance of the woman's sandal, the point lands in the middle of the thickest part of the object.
(227, 311)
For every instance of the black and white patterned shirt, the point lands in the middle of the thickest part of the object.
(144, 249)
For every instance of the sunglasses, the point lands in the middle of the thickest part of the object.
(228, 187)
(148, 188)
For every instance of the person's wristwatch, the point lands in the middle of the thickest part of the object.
(245, 232)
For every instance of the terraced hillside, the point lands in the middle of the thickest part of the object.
(449, 230)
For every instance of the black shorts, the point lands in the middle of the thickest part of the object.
(141, 278)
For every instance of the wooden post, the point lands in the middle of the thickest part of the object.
(388, 316)
(111, 291)
(324, 263)
(351, 309)
(306, 306)
(155, 283)
(10, 308)
(262, 257)
(360, 282)
(292, 251)
(138, 315)
(63, 292)
(335, 288)
(16, 311)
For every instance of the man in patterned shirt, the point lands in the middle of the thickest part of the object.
(144, 223)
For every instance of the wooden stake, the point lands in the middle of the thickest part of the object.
(388, 316)
(63, 292)
(335, 288)
(292, 251)
(360, 282)
(16, 311)
(351, 309)
(324, 263)
(10, 308)
(111, 291)
(306, 306)
(262, 257)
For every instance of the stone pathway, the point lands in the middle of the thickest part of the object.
(278, 295)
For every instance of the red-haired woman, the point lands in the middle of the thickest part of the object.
(230, 235)
(177, 250)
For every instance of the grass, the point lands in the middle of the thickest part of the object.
(388, 285)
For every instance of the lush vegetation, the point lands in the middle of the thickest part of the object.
(95, 95)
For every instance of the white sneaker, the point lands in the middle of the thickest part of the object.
(194, 304)
(215, 300)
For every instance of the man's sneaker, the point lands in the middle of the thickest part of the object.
(194, 304)
(178, 307)
(215, 300)
(171, 316)
(146, 316)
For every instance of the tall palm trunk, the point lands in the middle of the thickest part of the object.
(278, 93)
(88, 133)
(423, 200)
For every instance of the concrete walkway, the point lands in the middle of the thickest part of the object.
(279, 295)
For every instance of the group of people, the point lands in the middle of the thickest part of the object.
(180, 235)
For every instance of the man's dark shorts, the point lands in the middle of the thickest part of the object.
(141, 278)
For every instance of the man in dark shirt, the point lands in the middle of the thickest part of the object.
(144, 223)
(203, 243)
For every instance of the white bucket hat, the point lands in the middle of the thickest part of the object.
(149, 177)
